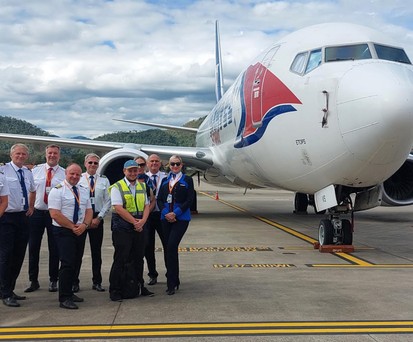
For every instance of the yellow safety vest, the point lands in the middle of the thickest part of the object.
(136, 205)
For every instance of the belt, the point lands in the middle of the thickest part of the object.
(42, 211)
(15, 213)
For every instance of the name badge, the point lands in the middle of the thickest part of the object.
(169, 198)
(48, 188)
(23, 201)
(92, 200)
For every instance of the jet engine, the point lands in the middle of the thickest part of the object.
(398, 189)
(111, 164)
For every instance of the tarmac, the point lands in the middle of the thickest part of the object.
(249, 272)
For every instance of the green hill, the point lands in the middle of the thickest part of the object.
(150, 137)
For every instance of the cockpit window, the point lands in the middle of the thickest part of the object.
(314, 61)
(391, 54)
(347, 52)
(299, 63)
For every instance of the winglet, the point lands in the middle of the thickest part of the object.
(219, 83)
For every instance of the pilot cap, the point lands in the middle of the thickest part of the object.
(129, 164)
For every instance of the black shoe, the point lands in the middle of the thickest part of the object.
(115, 297)
(153, 281)
(77, 299)
(98, 288)
(53, 286)
(34, 285)
(75, 288)
(17, 297)
(146, 293)
(170, 292)
(10, 301)
(68, 304)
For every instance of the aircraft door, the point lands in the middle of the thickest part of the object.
(257, 86)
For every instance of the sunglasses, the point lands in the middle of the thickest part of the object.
(142, 164)
(175, 164)
(94, 163)
(154, 161)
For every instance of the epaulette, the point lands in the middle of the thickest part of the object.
(82, 186)
(103, 176)
(1, 172)
(58, 186)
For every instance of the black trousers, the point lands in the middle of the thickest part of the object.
(70, 247)
(152, 226)
(129, 246)
(39, 221)
(95, 240)
(14, 235)
(173, 233)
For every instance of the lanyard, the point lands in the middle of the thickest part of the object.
(92, 190)
(77, 198)
(52, 173)
(173, 181)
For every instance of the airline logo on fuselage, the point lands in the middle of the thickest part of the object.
(263, 97)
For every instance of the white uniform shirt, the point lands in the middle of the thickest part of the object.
(102, 198)
(62, 198)
(116, 197)
(39, 175)
(16, 199)
(4, 188)
(160, 175)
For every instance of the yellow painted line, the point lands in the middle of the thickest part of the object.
(346, 256)
(253, 265)
(364, 266)
(206, 329)
(356, 262)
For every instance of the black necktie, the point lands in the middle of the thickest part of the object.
(92, 191)
(24, 189)
(76, 211)
(154, 181)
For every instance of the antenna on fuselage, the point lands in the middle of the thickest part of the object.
(219, 82)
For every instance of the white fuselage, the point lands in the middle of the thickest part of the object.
(268, 129)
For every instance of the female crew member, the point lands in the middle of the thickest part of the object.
(174, 200)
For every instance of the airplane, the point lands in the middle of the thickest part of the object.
(325, 112)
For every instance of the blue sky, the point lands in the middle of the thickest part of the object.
(70, 67)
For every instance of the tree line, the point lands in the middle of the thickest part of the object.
(69, 155)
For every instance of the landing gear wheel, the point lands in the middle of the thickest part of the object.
(347, 232)
(300, 203)
(325, 232)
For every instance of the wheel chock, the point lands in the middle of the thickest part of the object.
(336, 248)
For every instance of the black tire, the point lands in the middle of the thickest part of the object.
(347, 232)
(300, 202)
(325, 232)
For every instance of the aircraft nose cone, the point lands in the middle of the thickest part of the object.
(375, 111)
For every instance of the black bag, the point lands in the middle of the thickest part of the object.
(131, 287)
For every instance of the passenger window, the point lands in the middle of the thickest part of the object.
(299, 63)
(314, 60)
(347, 53)
(391, 54)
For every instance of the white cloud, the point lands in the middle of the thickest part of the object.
(69, 66)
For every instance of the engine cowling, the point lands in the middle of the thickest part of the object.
(111, 164)
(398, 189)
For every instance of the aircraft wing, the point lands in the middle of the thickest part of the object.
(195, 157)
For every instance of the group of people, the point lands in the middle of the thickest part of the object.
(71, 205)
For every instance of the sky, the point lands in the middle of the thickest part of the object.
(71, 66)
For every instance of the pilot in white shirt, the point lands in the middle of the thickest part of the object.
(100, 199)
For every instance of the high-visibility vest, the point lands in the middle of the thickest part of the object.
(136, 205)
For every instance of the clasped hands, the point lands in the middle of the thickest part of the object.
(170, 217)
(78, 229)
(138, 225)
